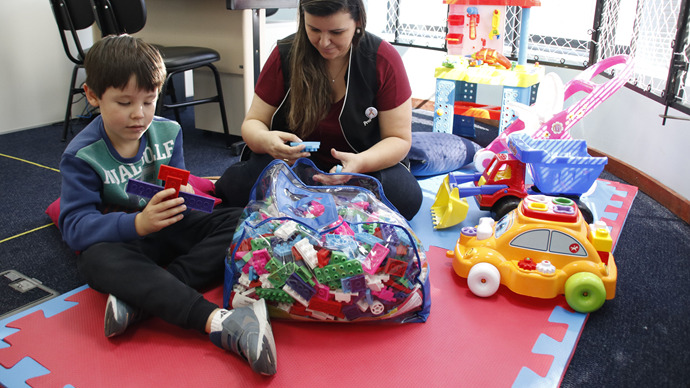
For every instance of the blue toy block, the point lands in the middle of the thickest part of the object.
(522, 95)
(302, 288)
(310, 146)
(148, 190)
(367, 238)
(444, 106)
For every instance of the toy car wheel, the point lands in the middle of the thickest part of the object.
(484, 279)
(482, 158)
(504, 206)
(585, 292)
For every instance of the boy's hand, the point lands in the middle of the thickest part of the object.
(187, 189)
(160, 212)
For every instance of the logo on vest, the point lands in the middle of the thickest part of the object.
(370, 112)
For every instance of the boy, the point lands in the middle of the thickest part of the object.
(150, 257)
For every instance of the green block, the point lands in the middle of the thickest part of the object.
(337, 257)
(260, 243)
(280, 276)
(274, 295)
(304, 273)
(335, 272)
(272, 266)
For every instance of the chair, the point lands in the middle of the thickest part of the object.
(129, 16)
(72, 16)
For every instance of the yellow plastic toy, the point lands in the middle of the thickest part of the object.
(448, 208)
(543, 249)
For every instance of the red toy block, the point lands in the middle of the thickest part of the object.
(173, 177)
(324, 256)
(395, 267)
(329, 307)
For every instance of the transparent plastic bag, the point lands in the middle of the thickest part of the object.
(334, 253)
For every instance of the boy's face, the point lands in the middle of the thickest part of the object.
(127, 113)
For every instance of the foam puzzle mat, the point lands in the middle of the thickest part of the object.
(504, 340)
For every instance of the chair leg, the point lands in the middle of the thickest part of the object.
(161, 96)
(221, 103)
(68, 110)
(173, 99)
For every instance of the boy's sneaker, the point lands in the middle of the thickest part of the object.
(118, 316)
(247, 331)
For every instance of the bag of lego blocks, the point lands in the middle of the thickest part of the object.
(327, 253)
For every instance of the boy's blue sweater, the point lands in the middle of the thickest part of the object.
(94, 178)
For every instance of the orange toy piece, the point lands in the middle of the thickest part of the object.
(492, 57)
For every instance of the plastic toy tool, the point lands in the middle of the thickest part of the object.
(495, 25)
(450, 208)
(174, 178)
(473, 15)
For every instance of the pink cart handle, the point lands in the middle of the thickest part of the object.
(558, 127)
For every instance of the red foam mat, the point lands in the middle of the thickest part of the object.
(466, 340)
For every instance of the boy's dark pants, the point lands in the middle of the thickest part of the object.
(163, 272)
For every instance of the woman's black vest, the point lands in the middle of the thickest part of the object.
(360, 131)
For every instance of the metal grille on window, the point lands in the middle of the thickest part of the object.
(574, 34)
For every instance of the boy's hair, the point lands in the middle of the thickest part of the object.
(112, 61)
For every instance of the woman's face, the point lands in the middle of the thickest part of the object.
(331, 35)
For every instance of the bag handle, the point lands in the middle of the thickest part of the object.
(315, 209)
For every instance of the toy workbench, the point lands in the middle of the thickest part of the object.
(475, 43)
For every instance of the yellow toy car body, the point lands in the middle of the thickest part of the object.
(543, 249)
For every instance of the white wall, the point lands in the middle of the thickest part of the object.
(34, 70)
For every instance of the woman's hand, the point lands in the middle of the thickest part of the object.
(160, 212)
(277, 144)
(349, 162)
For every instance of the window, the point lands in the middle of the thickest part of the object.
(563, 244)
(409, 22)
(654, 32)
(503, 225)
(535, 240)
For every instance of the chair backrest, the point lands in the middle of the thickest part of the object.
(72, 16)
(116, 17)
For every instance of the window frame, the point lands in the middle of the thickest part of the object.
(673, 94)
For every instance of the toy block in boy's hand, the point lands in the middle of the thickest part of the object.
(148, 190)
(173, 177)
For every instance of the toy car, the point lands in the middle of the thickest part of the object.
(543, 249)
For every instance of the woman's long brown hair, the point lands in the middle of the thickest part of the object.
(310, 84)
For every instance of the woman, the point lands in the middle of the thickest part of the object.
(334, 83)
